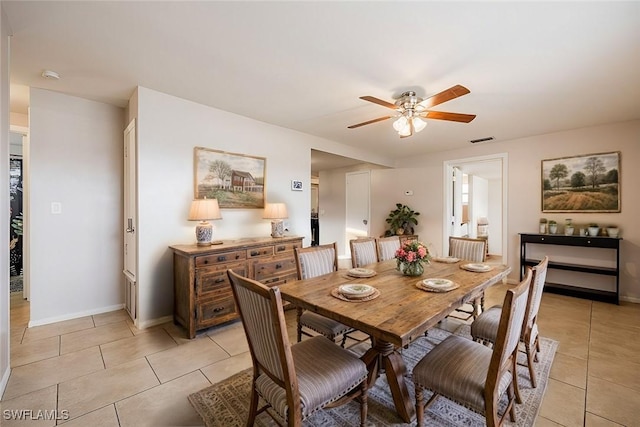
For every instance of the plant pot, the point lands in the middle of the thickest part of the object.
(553, 228)
(594, 231)
(568, 230)
(613, 231)
(543, 228)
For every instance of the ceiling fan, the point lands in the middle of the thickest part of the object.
(411, 110)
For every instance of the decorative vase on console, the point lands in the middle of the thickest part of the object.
(553, 227)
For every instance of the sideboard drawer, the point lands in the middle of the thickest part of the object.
(260, 252)
(278, 266)
(215, 310)
(214, 279)
(206, 260)
(280, 280)
(286, 247)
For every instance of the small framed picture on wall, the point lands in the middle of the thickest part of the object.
(296, 185)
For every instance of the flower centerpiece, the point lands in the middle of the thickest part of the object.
(410, 257)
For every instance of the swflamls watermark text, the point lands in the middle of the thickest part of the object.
(35, 414)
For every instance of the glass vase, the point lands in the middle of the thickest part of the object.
(411, 268)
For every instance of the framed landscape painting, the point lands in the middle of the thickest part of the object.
(587, 183)
(236, 180)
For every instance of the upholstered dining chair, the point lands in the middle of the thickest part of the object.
(363, 251)
(470, 373)
(311, 262)
(474, 250)
(485, 328)
(387, 247)
(294, 380)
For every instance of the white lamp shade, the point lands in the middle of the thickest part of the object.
(275, 211)
(419, 124)
(204, 209)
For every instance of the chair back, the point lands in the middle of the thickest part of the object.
(363, 251)
(315, 261)
(511, 320)
(387, 247)
(535, 292)
(474, 250)
(264, 324)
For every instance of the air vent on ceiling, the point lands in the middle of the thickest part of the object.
(479, 140)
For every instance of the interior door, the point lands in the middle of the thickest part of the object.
(130, 221)
(357, 206)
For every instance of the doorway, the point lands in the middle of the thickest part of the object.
(18, 186)
(357, 206)
(476, 201)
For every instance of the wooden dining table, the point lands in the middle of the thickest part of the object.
(397, 317)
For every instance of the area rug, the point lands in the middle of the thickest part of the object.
(226, 404)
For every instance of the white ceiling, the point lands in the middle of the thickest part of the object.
(532, 67)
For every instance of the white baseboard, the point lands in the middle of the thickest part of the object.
(153, 322)
(634, 300)
(77, 315)
(4, 380)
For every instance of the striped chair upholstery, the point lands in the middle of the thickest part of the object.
(311, 262)
(474, 250)
(363, 252)
(387, 247)
(294, 380)
(485, 328)
(471, 374)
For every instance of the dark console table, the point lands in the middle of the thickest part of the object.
(575, 241)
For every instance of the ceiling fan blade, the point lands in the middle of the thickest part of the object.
(454, 117)
(444, 96)
(379, 119)
(379, 102)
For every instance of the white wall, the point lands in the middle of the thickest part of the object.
(524, 178)
(4, 200)
(479, 196)
(495, 216)
(168, 130)
(75, 160)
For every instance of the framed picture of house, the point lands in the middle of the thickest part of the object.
(585, 183)
(236, 180)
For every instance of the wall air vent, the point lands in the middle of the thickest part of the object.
(480, 140)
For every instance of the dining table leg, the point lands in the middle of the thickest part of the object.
(395, 370)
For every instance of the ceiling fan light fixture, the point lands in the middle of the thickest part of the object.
(400, 124)
(405, 131)
(419, 124)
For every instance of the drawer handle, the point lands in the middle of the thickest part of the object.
(275, 279)
(254, 253)
(222, 258)
(281, 248)
(206, 261)
(237, 256)
(278, 266)
(218, 310)
(219, 280)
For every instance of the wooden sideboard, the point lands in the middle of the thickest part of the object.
(201, 290)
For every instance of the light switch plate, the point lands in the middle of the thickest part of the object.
(56, 208)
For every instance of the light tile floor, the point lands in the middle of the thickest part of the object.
(102, 371)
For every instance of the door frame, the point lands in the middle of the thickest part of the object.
(26, 247)
(448, 166)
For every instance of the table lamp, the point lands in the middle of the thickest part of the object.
(276, 212)
(204, 210)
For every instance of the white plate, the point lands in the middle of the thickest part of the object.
(477, 267)
(361, 272)
(356, 290)
(448, 260)
(437, 283)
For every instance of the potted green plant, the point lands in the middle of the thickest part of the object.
(613, 231)
(553, 227)
(401, 220)
(594, 229)
(543, 225)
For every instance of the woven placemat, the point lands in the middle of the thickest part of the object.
(336, 293)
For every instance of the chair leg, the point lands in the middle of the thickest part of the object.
(491, 410)
(363, 404)
(531, 355)
(298, 314)
(514, 372)
(253, 407)
(510, 406)
(419, 406)
(344, 340)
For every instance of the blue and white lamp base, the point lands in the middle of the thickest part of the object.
(277, 228)
(204, 233)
